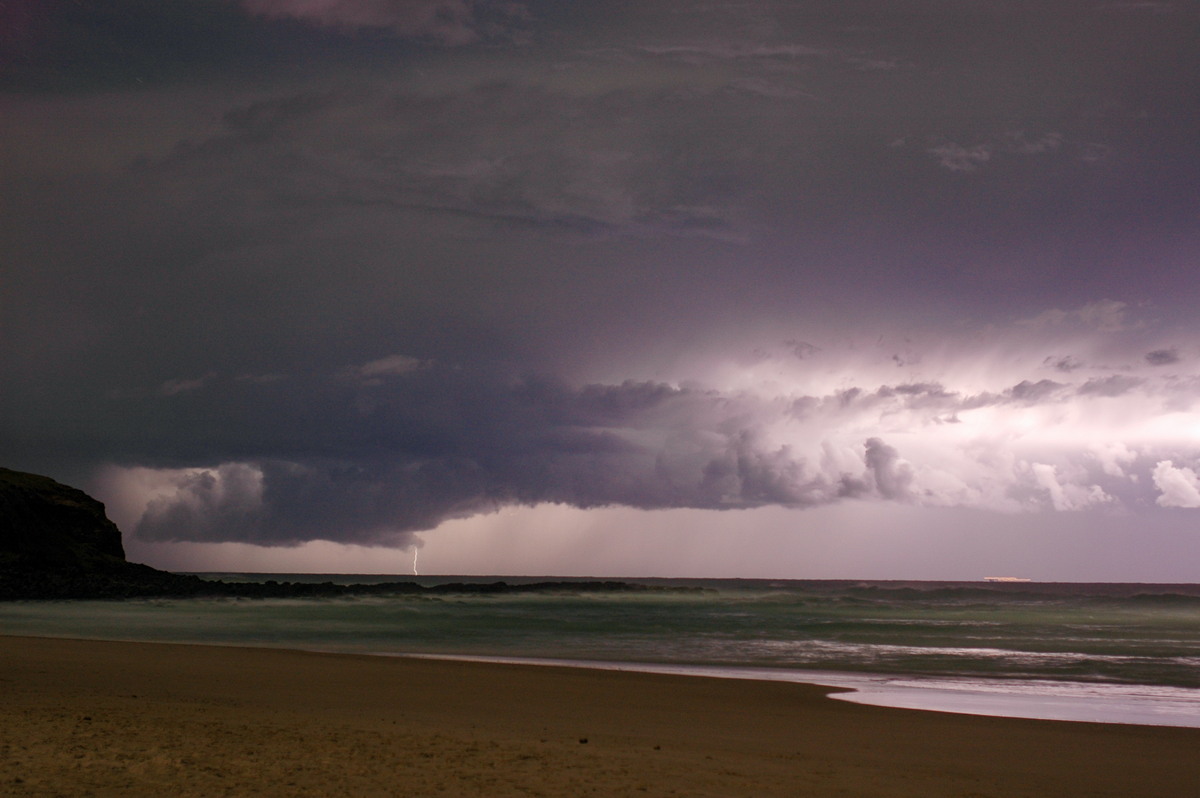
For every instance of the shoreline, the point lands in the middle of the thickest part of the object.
(138, 718)
(1031, 699)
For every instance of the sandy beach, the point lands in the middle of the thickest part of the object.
(101, 718)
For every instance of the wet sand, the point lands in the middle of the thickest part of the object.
(130, 719)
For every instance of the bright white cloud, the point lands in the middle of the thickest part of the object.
(1068, 496)
(999, 426)
(156, 501)
(1114, 457)
(1180, 486)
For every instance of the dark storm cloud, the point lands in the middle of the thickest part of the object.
(891, 475)
(222, 504)
(1065, 364)
(1163, 357)
(491, 153)
(934, 401)
(1034, 392)
(1115, 385)
(927, 400)
(56, 45)
(450, 22)
(372, 460)
(77, 46)
(403, 454)
(288, 265)
(376, 451)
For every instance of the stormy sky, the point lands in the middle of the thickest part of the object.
(790, 289)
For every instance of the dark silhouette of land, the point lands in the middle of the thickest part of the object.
(57, 543)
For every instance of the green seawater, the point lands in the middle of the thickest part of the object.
(1105, 634)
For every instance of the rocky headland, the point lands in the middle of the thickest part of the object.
(56, 542)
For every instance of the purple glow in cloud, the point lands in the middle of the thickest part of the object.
(360, 271)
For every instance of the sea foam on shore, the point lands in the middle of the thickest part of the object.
(1120, 653)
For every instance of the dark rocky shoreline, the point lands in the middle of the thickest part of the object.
(142, 581)
(56, 543)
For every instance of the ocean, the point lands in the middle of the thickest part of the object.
(1090, 652)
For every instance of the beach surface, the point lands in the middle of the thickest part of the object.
(103, 718)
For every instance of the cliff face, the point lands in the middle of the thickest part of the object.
(45, 524)
(57, 543)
